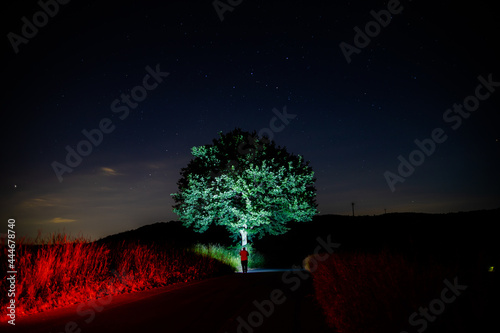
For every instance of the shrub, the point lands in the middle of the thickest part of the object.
(230, 255)
(363, 292)
(58, 271)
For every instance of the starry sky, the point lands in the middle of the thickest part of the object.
(147, 80)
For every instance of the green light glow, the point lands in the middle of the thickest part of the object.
(245, 183)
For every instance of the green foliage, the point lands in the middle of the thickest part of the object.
(255, 258)
(218, 252)
(243, 181)
(230, 255)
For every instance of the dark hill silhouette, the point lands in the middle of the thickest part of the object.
(420, 235)
(173, 233)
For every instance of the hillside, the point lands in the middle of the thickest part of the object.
(436, 236)
(439, 236)
(173, 233)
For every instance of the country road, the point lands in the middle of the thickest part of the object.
(257, 302)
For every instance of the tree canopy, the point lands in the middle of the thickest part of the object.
(247, 184)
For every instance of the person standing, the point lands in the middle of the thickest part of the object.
(244, 260)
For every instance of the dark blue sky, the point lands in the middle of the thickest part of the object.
(352, 121)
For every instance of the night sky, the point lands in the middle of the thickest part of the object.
(159, 77)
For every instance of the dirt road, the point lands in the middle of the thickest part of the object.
(257, 302)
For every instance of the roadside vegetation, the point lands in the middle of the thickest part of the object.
(57, 270)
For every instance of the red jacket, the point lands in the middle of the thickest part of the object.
(244, 254)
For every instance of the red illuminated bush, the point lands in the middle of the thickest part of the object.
(60, 272)
(361, 292)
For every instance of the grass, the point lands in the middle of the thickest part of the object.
(230, 255)
(377, 292)
(58, 271)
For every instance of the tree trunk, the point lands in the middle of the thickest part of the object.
(243, 233)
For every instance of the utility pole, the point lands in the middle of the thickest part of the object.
(352, 203)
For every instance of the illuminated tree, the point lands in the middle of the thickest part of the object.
(247, 184)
